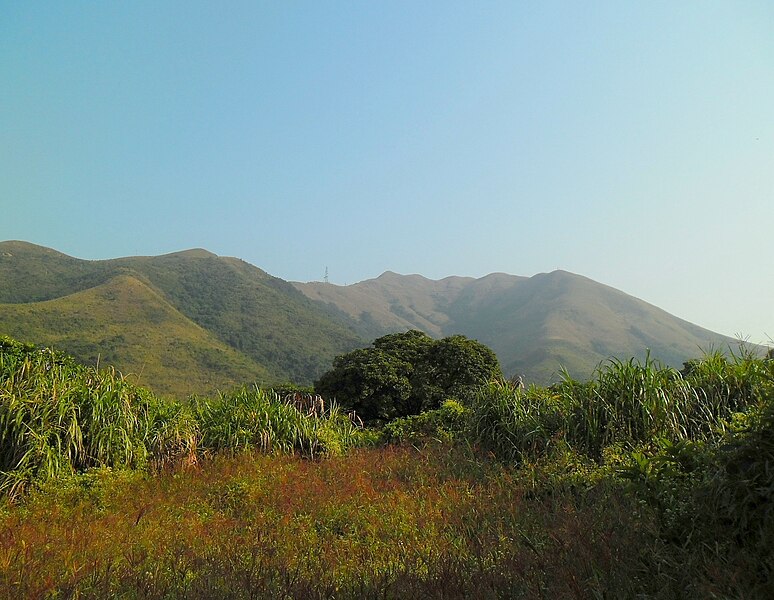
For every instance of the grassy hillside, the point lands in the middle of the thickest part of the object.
(559, 318)
(30, 273)
(272, 330)
(127, 324)
(392, 302)
(535, 325)
(261, 316)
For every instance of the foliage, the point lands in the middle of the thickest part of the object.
(58, 417)
(515, 423)
(643, 482)
(379, 523)
(626, 403)
(403, 374)
(247, 419)
(443, 424)
(370, 381)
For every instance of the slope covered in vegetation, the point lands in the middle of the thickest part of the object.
(536, 325)
(125, 323)
(282, 335)
(644, 481)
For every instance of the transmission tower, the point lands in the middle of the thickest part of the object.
(325, 279)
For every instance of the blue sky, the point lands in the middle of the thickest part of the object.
(629, 142)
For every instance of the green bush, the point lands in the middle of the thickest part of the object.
(404, 374)
(443, 424)
(514, 423)
(57, 417)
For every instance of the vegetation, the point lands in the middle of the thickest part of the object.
(203, 323)
(644, 481)
(58, 417)
(534, 324)
(189, 322)
(404, 374)
(125, 323)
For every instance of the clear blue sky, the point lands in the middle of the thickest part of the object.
(629, 142)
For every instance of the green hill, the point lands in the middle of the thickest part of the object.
(235, 322)
(126, 324)
(273, 331)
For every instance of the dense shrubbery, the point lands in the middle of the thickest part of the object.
(626, 404)
(695, 448)
(644, 481)
(59, 417)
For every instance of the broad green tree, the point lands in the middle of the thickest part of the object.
(407, 373)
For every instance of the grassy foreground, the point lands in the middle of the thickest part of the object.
(387, 522)
(643, 482)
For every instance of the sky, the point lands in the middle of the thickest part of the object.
(630, 142)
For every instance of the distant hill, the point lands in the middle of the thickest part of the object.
(192, 321)
(272, 331)
(535, 324)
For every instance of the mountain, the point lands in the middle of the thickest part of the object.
(261, 325)
(535, 325)
(192, 321)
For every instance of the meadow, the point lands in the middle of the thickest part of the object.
(642, 482)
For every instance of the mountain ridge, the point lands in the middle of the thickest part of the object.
(291, 331)
(535, 324)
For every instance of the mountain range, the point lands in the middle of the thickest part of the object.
(193, 322)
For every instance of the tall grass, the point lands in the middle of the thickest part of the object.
(627, 403)
(256, 418)
(58, 417)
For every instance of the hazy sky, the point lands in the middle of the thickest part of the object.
(629, 142)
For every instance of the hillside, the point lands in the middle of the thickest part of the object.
(535, 324)
(126, 324)
(254, 326)
(276, 331)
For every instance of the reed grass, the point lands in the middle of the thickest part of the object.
(626, 403)
(59, 418)
(254, 418)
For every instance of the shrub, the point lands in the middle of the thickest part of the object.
(57, 417)
(515, 423)
(442, 424)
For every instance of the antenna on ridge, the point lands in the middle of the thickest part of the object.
(325, 279)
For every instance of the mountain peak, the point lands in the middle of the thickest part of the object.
(192, 253)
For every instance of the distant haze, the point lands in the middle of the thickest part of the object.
(630, 142)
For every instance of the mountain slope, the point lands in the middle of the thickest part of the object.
(273, 329)
(260, 316)
(30, 273)
(125, 323)
(535, 325)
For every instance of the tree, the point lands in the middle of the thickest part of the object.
(453, 368)
(369, 381)
(407, 373)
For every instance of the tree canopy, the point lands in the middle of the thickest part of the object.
(403, 374)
